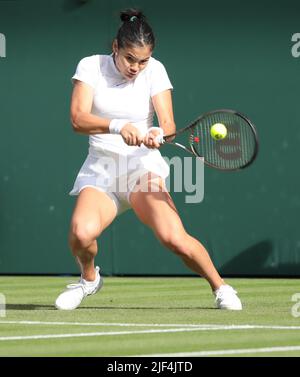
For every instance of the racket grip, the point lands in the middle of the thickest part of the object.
(159, 138)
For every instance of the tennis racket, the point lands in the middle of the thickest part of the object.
(236, 151)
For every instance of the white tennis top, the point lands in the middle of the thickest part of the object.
(117, 98)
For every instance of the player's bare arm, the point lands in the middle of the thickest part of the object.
(162, 103)
(84, 122)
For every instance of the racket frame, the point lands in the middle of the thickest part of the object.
(193, 151)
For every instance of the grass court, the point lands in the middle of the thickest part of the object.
(152, 316)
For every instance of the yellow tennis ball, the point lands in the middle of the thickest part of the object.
(218, 131)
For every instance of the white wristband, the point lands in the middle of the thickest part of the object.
(116, 125)
(160, 137)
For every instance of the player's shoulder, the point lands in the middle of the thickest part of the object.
(90, 60)
(155, 67)
(155, 63)
(98, 64)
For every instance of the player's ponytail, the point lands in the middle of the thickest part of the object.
(135, 30)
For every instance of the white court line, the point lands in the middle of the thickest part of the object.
(101, 324)
(53, 336)
(224, 352)
(181, 325)
(150, 331)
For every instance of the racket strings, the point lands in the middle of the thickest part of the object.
(234, 151)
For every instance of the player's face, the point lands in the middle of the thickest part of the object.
(130, 61)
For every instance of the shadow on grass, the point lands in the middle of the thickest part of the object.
(29, 307)
(50, 307)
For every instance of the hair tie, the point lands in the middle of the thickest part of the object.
(133, 18)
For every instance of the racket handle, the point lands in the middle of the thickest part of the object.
(159, 138)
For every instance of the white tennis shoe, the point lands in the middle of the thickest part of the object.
(72, 297)
(226, 298)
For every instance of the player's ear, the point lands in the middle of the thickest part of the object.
(115, 47)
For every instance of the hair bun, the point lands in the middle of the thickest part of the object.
(131, 15)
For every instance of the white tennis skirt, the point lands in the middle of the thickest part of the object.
(117, 174)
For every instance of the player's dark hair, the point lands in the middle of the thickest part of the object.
(135, 30)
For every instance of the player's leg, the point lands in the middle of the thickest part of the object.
(93, 212)
(158, 211)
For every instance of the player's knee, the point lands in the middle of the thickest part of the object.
(175, 241)
(82, 235)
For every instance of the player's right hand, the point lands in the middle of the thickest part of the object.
(131, 135)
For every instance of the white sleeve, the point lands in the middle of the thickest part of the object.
(87, 71)
(159, 79)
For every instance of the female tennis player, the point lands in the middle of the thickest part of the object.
(113, 101)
